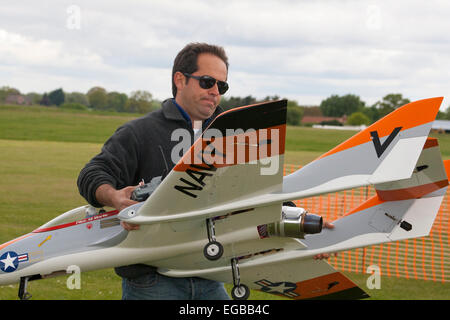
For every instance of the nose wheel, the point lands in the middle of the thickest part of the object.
(214, 249)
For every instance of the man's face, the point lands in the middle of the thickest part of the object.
(201, 103)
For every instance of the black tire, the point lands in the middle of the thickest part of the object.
(213, 250)
(240, 292)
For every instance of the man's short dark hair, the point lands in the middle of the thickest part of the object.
(186, 59)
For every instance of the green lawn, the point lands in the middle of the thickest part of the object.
(106, 285)
(53, 124)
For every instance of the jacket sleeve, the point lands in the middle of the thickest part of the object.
(115, 165)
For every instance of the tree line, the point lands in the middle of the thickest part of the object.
(140, 101)
(348, 106)
(97, 98)
(359, 113)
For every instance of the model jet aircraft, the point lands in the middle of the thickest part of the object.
(222, 212)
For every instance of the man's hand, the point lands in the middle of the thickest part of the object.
(118, 199)
(327, 225)
(129, 226)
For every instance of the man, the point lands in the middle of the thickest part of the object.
(139, 150)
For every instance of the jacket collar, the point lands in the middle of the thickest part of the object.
(171, 111)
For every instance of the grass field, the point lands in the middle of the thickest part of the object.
(42, 152)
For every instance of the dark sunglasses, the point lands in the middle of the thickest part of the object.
(207, 82)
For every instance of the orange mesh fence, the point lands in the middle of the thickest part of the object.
(426, 258)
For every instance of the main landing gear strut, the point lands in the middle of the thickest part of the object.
(239, 291)
(213, 250)
(23, 293)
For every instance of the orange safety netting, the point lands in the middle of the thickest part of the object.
(426, 258)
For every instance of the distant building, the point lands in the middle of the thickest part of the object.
(441, 126)
(17, 99)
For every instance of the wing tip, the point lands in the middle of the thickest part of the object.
(332, 286)
(354, 293)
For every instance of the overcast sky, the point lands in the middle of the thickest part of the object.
(303, 50)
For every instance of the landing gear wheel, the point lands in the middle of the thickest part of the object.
(240, 292)
(213, 251)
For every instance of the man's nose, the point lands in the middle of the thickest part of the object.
(214, 90)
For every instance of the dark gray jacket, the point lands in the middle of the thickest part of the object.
(135, 152)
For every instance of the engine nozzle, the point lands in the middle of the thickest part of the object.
(295, 223)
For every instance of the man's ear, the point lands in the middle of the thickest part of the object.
(180, 80)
